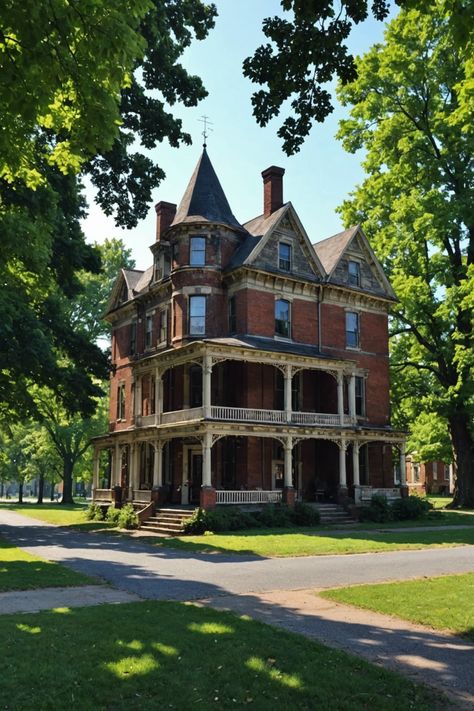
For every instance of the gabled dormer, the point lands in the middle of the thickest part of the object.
(349, 261)
(126, 286)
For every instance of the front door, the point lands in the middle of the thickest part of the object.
(195, 476)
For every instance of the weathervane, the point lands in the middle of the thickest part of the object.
(205, 120)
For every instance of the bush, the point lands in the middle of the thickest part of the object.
(127, 517)
(305, 515)
(275, 516)
(94, 513)
(379, 510)
(410, 507)
(219, 520)
(113, 515)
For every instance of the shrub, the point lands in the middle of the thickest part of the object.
(113, 515)
(410, 507)
(94, 513)
(379, 510)
(305, 515)
(219, 520)
(127, 517)
(275, 516)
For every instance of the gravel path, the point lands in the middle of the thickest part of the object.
(278, 591)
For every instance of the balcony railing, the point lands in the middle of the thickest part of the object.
(248, 497)
(247, 414)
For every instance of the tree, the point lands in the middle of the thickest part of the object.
(409, 113)
(14, 461)
(308, 49)
(74, 90)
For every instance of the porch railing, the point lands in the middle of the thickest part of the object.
(142, 496)
(194, 413)
(248, 497)
(102, 495)
(363, 494)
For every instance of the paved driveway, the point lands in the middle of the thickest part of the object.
(166, 574)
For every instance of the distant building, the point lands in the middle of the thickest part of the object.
(249, 365)
(434, 477)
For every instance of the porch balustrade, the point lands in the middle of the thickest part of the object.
(142, 496)
(248, 497)
(194, 413)
(102, 495)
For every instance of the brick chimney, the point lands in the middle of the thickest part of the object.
(165, 212)
(272, 189)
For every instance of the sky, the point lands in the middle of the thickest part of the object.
(317, 179)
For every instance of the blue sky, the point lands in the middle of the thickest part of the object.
(317, 179)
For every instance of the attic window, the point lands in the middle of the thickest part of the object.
(157, 270)
(284, 256)
(354, 273)
(123, 293)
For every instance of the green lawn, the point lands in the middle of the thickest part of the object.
(59, 514)
(281, 543)
(21, 571)
(445, 603)
(151, 655)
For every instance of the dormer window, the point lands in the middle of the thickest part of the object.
(157, 269)
(354, 273)
(123, 293)
(284, 256)
(197, 251)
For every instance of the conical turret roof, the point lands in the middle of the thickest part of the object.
(204, 200)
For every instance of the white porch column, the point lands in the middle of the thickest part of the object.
(355, 463)
(206, 459)
(342, 464)
(340, 397)
(117, 466)
(206, 384)
(352, 396)
(158, 396)
(288, 473)
(403, 472)
(95, 471)
(288, 382)
(158, 464)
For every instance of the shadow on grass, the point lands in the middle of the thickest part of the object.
(145, 655)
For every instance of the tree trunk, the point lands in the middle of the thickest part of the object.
(40, 488)
(20, 493)
(463, 450)
(68, 467)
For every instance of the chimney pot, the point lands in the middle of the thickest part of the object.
(165, 214)
(272, 189)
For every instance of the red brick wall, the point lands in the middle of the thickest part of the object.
(304, 323)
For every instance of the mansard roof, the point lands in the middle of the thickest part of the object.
(204, 199)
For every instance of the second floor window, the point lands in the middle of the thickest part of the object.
(121, 401)
(284, 257)
(197, 251)
(149, 332)
(197, 315)
(164, 326)
(360, 395)
(133, 338)
(232, 316)
(282, 318)
(354, 273)
(352, 329)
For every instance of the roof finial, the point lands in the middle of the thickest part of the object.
(205, 120)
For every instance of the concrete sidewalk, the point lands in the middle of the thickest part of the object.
(51, 598)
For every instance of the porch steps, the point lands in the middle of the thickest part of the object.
(168, 522)
(333, 514)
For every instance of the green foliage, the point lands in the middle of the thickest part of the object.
(113, 515)
(416, 207)
(307, 49)
(94, 513)
(127, 517)
(234, 519)
(410, 507)
(379, 510)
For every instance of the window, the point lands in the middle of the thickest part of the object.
(121, 401)
(197, 315)
(174, 254)
(195, 386)
(157, 270)
(282, 318)
(133, 338)
(354, 273)
(360, 395)
(232, 315)
(296, 392)
(164, 326)
(149, 331)
(197, 251)
(446, 472)
(123, 293)
(352, 329)
(416, 473)
(284, 256)
(435, 471)
(364, 465)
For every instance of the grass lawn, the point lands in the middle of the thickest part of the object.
(445, 603)
(21, 571)
(151, 655)
(286, 542)
(59, 514)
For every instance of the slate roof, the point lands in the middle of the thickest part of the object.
(260, 225)
(329, 250)
(270, 345)
(204, 199)
(132, 277)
